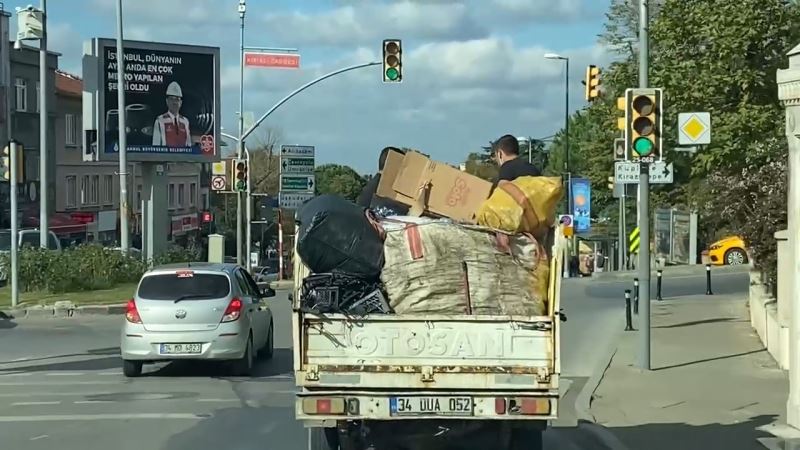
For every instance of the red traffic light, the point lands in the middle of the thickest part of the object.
(206, 217)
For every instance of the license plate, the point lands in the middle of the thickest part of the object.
(181, 349)
(435, 406)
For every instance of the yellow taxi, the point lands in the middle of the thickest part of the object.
(730, 251)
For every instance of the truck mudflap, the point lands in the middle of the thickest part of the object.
(416, 405)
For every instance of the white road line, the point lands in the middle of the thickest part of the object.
(109, 374)
(54, 394)
(92, 402)
(218, 400)
(42, 436)
(64, 374)
(95, 417)
(35, 403)
(57, 383)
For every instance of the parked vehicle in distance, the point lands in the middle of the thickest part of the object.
(197, 311)
(730, 251)
(26, 238)
(267, 273)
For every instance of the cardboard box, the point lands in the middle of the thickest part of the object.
(433, 187)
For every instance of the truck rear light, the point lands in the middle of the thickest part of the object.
(330, 406)
(500, 405)
(131, 313)
(529, 406)
(233, 311)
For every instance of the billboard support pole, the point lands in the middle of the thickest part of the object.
(240, 144)
(43, 128)
(124, 232)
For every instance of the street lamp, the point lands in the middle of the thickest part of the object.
(566, 139)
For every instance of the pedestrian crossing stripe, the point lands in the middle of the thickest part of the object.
(633, 240)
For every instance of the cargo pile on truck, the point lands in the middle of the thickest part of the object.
(463, 248)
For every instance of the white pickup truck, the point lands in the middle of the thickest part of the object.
(410, 381)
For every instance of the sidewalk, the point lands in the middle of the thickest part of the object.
(712, 384)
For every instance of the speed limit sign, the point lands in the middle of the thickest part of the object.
(218, 182)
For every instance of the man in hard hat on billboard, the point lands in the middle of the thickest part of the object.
(172, 129)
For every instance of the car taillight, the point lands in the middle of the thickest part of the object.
(131, 313)
(233, 311)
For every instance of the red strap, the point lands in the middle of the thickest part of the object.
(414, 240)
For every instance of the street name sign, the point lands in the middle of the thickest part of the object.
(694, 128)
(297, 164)
(297, 183)
(661, 172)
(293, 200)
(272, 60)
(297, 150)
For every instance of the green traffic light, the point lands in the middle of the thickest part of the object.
(241, 186)
(392, 74)
(643, 146)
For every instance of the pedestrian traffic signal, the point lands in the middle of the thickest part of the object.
(206, 217)
(392, 61)
(240, 177)
(611, 183)
(644, 124)
(622, 122)
(6, 164)
(592, 83)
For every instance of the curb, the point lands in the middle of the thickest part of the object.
(60, 311)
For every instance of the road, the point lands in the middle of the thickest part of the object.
(61, 384)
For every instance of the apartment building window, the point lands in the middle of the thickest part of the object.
(193, 194)
(38, 93)
(181, 195)
(108, 189)
(72, 191)
(171, 196)
(22, 94)
(71, 129)
(90, 186)
(139, 196)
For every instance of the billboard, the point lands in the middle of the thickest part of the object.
(172, 101)
(582, 204)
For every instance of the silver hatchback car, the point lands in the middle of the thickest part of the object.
(197, 311)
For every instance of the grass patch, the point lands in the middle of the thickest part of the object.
(116, 295)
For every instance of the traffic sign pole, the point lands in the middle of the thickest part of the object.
(644, 203)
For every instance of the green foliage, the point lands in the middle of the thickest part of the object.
(479, 165)
(339, 180)
(178, 254)
(82, 268)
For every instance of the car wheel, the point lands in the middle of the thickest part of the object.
(269, 347)
(735, 257)
(244, 366)
(131, 369)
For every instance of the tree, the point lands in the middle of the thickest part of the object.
(478, 165)
(339, 180)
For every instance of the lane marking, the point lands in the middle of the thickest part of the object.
(218, 400)
(58, 383)
(110, 374)
(53, 394)
(95, 417)
(64, 374)
(92, 402)
(36, 403)
(39, 437)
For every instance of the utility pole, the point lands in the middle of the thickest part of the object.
(644, 204)
(44, 191)
(240, 144)
(13, 154)
(124, 232)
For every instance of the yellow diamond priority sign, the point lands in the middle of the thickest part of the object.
(694, 128)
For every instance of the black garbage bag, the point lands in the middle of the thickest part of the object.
(334, 235)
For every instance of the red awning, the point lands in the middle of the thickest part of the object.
(59, 224)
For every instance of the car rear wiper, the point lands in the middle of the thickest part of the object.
(188, 296)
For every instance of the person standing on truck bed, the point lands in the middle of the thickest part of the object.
(506, 155)
(369, 198)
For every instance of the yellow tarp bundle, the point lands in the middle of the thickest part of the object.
(525, 205)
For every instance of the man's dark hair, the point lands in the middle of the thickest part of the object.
(385, 154)
(507, 144)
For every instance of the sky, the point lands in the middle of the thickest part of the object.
(472, 70)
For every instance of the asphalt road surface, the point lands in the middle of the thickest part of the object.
(61, 384)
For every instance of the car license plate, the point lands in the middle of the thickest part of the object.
(181, 349)
(433, 406)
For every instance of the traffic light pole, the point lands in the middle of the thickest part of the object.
(240, 144)
(644, 205)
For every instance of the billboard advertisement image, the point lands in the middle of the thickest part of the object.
(582, 204)
(171, 102)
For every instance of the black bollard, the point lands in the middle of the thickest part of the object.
(658, 285)
(628, 316)
(636, 296)
(708, 280)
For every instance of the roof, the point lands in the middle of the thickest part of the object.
(200, 265)
(68, 84)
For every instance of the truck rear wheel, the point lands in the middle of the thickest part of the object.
(323, 439)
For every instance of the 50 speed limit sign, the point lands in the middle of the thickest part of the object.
(218, 182)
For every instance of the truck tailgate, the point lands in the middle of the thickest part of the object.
(427, 352)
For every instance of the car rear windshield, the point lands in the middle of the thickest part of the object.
(184, 286)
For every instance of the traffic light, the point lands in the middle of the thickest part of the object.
(611, 183)
(5, 165)
(644, 123)
(240, 176)
(622, 122)
(592, 83)
(392, 61)
(206, 217)
(619, 149)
